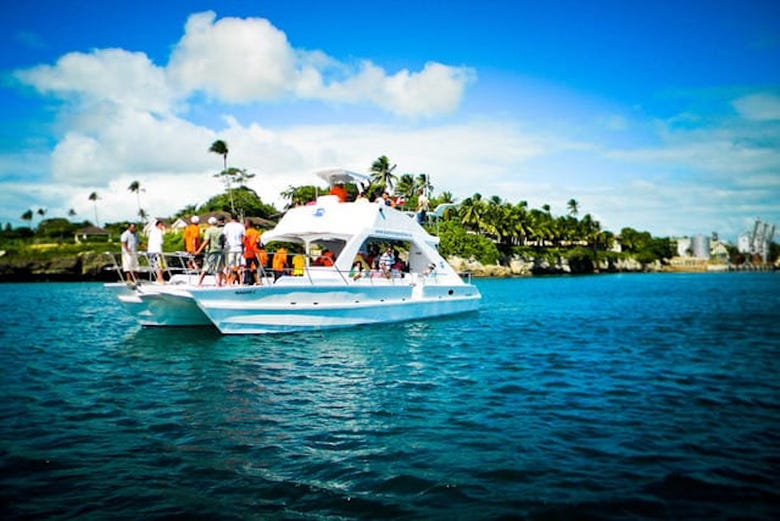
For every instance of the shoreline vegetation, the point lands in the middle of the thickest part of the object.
(92, 266)
(489, 237)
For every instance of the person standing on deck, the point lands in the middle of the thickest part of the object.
(422, 206)
(192, 240)
(155, 250)
(212, 262)
(234, 241)
(251, 241)
(130, 253)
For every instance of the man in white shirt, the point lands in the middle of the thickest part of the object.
(422, 206)
(234, 242)
(155, 248)
(129, 253)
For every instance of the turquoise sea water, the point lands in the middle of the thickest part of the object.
(603, 397)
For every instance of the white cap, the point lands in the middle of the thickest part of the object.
(195, 219)
(212, 220)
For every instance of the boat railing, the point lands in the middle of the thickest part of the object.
(173, 263)
(465, 276)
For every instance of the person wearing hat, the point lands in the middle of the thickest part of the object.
(192, 241)
(213, 261)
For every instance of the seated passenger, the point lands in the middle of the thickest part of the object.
(279, 262)
(376, 271)
(357, 271)
(326, 259)
(298, 263)
(386, 261)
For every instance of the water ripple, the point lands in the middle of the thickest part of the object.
(615, 397)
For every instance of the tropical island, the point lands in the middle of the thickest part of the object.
(487, 236)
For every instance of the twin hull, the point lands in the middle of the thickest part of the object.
(276, 309)
(154, 306)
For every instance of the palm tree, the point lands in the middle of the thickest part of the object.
(573, 207)
(472, 211)
(28, 216)
(424, 181)
(94, 198)
(382, 173)
(135, 186)
(298, 195)
(71, 213)
(405, 188)
(220, 147)
(41, 212)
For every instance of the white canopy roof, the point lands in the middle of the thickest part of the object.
(339, 175)
(330, 218)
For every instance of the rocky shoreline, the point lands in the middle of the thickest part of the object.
(519, 267)
(80, 267)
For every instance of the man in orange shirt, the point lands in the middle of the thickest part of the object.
(251, 240)
(279, 262)
(339, 191)
(192, 241)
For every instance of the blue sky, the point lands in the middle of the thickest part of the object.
(661, 116)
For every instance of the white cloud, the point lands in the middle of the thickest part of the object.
(113, 75)
(243, 60)
(759, 107)
(110, 140)
(437, 89)
(233, 59)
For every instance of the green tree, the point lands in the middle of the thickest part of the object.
(471, 212)
(234, 177)
(94, 198)
(454, 240)
(28, 216)
(382, 174)
(298, 195)
(135, 187)
(573, 207)
(221, 147)
(405, 188)
(245, 198)
(424, 181)
(56, 227)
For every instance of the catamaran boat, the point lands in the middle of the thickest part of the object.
(338, 278)
(358, 263)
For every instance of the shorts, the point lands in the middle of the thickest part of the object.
(156, 261)
(235, 259)
(213, 262)
(129, 261)
(252, 263)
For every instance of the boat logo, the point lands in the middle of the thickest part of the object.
(319, 212)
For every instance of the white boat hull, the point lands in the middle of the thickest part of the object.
(159, 306)
(261, 310)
